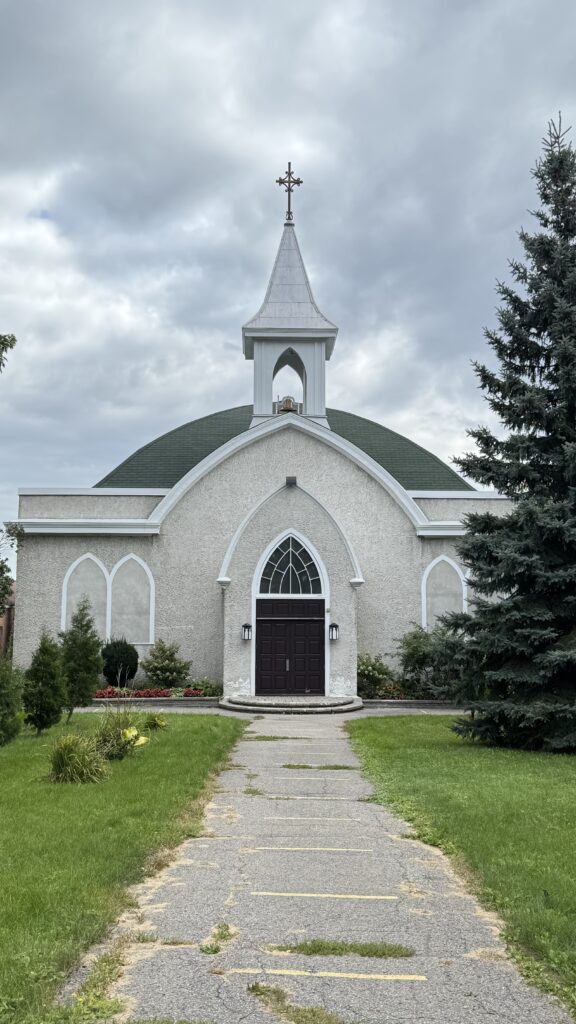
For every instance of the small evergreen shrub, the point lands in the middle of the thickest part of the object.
(45, 695)
(11, 686)
(120, 662)
(81, 658)
(376, 679)
(164, 668)
(77, 758)
(208, 687)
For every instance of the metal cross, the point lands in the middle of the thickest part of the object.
(289, 181)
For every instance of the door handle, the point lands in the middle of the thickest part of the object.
(287, 664)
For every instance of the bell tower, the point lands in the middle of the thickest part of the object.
(289, 329)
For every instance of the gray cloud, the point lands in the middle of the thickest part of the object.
(139, 217)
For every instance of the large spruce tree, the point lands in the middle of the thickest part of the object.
(519, 664)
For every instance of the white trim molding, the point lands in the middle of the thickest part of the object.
(129, 527)
(460, 495)
(223, 575)
(109, 578)
(92, 492)
(441, 528)
(424, 585)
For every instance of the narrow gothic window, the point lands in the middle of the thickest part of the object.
(290, 570)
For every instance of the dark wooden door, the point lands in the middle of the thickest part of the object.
(290, 647)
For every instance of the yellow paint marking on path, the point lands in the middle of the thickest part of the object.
(307, 818)
(319, 796)
(357, 976)
(323, 895)
(318, 849)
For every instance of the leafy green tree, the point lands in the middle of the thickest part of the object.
(164, 668)
(44, 696)
(11, 685)
(519, 664)
(81, 658)
(7, 342)
(9, 537)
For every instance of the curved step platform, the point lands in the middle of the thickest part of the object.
(288, 705)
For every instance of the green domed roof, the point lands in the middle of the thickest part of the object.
(163, 462)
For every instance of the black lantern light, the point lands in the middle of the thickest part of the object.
(334, 631)
(246, 631)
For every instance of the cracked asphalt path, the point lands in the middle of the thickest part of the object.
(297, 854)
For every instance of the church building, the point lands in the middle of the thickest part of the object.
(273, 542)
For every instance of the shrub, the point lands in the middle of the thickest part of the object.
(81, 658)
(114, 736)
(191, 691)
(209, 687)
(77, 758)
(423, 656)
(376, 679)
(120, 662)
(163, 667)
(45, 695)
(11, 686)
(152, 692)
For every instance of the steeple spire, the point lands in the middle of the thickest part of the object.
(289, 329)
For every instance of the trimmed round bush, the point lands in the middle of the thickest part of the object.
(77, 759)
(120, 662)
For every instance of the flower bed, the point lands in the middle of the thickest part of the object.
(117, 692)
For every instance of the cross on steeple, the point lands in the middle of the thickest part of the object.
(289, 181)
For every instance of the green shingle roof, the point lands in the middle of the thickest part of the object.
(163, 462)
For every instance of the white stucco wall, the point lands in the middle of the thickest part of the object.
(185, 559)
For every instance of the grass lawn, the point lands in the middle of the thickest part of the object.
(510, 817)
(67, 852)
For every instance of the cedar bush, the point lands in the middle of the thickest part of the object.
(120, 661)
(11, 686)
(164, 668)
(81, 658)
(45, 695)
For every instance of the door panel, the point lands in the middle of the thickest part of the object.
(289, 651)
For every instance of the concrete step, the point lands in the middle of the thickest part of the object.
(306, 705)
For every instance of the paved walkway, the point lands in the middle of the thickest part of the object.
(300, 854)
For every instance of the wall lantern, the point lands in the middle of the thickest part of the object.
(334, 631)
(246, 631)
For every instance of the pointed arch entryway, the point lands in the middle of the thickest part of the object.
(290, 597)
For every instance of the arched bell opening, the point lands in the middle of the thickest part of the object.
(289, 379)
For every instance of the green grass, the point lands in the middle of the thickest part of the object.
(276, 1000)
(508, 816)
(67, 852)
(323, 947)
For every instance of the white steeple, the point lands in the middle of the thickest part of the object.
(289, 330)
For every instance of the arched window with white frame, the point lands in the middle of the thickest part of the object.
(132, 601)
(86, 577)
(290, 569)
(443, 590)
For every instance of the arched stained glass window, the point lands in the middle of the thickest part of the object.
(290, 570)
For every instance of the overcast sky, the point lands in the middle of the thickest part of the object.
(139, 219)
